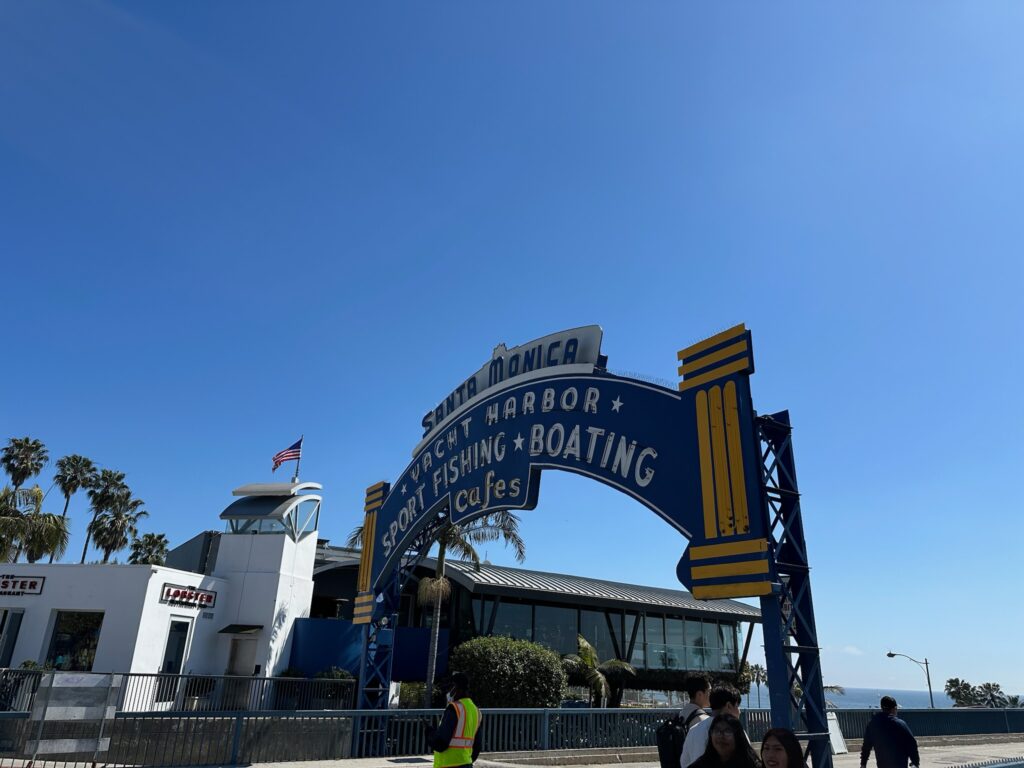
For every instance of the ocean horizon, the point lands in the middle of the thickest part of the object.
(862, 698)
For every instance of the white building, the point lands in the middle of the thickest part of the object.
(140, 618)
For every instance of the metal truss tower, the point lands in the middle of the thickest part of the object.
(790, 637)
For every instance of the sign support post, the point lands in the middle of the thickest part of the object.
(790, 636)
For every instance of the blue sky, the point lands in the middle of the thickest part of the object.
(224, 225)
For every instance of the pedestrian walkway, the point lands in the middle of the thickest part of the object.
(954, 751)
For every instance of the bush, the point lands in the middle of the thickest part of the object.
(334, 673)
(510, 673)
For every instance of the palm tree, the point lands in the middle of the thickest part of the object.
(961, 692)
(10, 523)
(106, 492)
(991, 695)
(459, 539)
(115, 527)
(758, 676)
(45, 534)
(149, 549)
(74, 472)
(606, 680)
(23, 458)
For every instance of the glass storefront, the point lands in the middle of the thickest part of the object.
(514, 620)
(556, 628)
(662, 642)
(74, 640)
(594, 628)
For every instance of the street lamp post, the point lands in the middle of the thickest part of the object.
(924, 666)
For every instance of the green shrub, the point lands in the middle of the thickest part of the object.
(510, 673)
(334, 673)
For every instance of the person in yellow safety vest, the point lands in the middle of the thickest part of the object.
(456, 741)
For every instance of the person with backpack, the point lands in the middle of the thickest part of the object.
(698, 689)
(725, 700)
(672, 733)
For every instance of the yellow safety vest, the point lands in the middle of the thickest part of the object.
(460, 748)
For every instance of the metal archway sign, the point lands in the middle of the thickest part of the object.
(698, 457)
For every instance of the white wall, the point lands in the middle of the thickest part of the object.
(273, 580)
(133, 635)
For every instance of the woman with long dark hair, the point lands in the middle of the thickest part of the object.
(780, 749)
(728, 746)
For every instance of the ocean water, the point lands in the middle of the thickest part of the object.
(863, 698)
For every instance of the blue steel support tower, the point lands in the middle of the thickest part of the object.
(790, 636)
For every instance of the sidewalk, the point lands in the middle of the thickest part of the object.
(957, 750)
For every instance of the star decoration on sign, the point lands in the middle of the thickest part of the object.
(616, 404)
(518, 442)
(403, 489)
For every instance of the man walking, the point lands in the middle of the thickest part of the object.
(891, 739)
(456, 742)
(697, 688)
(724, 700)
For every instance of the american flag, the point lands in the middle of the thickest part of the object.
(291, 453)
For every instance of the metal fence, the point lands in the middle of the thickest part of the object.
(222, 693)
(197, 693)
(180, 738)
(183, 739)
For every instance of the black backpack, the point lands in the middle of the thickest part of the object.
(670, 735)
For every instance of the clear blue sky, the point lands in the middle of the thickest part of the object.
(224, 225)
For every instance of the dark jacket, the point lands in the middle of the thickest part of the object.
(892, 741)
(438, 739)
(743, 757)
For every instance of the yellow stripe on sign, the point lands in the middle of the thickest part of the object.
(742, 589)
(371, 506)
(734, 367)
(748, 547)
(707, 483)
(375, 494)
(718, 338)
(720, 463)
(722, 354)
(366, 557)
(743, 568)
(376, 486)
(732, 435)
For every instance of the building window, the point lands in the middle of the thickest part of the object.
(727, 636)
(514, 620)
(594, 628)
(556, 628)
(693, 636)
(75, 636)
(712, 646)
(657, 652)
(638, 659)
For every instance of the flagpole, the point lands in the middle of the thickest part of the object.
(298, 460)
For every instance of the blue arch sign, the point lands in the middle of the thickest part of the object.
(690, 455)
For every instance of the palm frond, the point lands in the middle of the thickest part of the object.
(587, 652)
(616, 668)
(598, 682)
(464, 550)
(355, 539)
